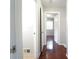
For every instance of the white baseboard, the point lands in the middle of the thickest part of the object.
(63, 45)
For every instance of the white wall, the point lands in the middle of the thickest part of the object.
(63, 29)
(29, 26)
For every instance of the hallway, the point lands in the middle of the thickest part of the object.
(58, 52)
(38, 25)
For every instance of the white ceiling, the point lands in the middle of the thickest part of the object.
(53, 3)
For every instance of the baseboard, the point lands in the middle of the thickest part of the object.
(63, 45)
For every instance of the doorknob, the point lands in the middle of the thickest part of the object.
(34, 33)
(13, 49)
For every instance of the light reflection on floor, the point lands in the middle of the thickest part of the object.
(50, 44)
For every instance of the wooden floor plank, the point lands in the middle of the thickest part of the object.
(58, 52)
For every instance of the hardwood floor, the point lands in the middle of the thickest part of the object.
(58, 52)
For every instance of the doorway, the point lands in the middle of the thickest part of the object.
(52, 27)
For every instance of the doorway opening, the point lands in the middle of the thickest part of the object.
(52, 28)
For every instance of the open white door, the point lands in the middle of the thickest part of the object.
(15, 30)
(12, 30)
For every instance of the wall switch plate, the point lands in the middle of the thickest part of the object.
(26, 50)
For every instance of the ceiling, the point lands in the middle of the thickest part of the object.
(53, 3)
